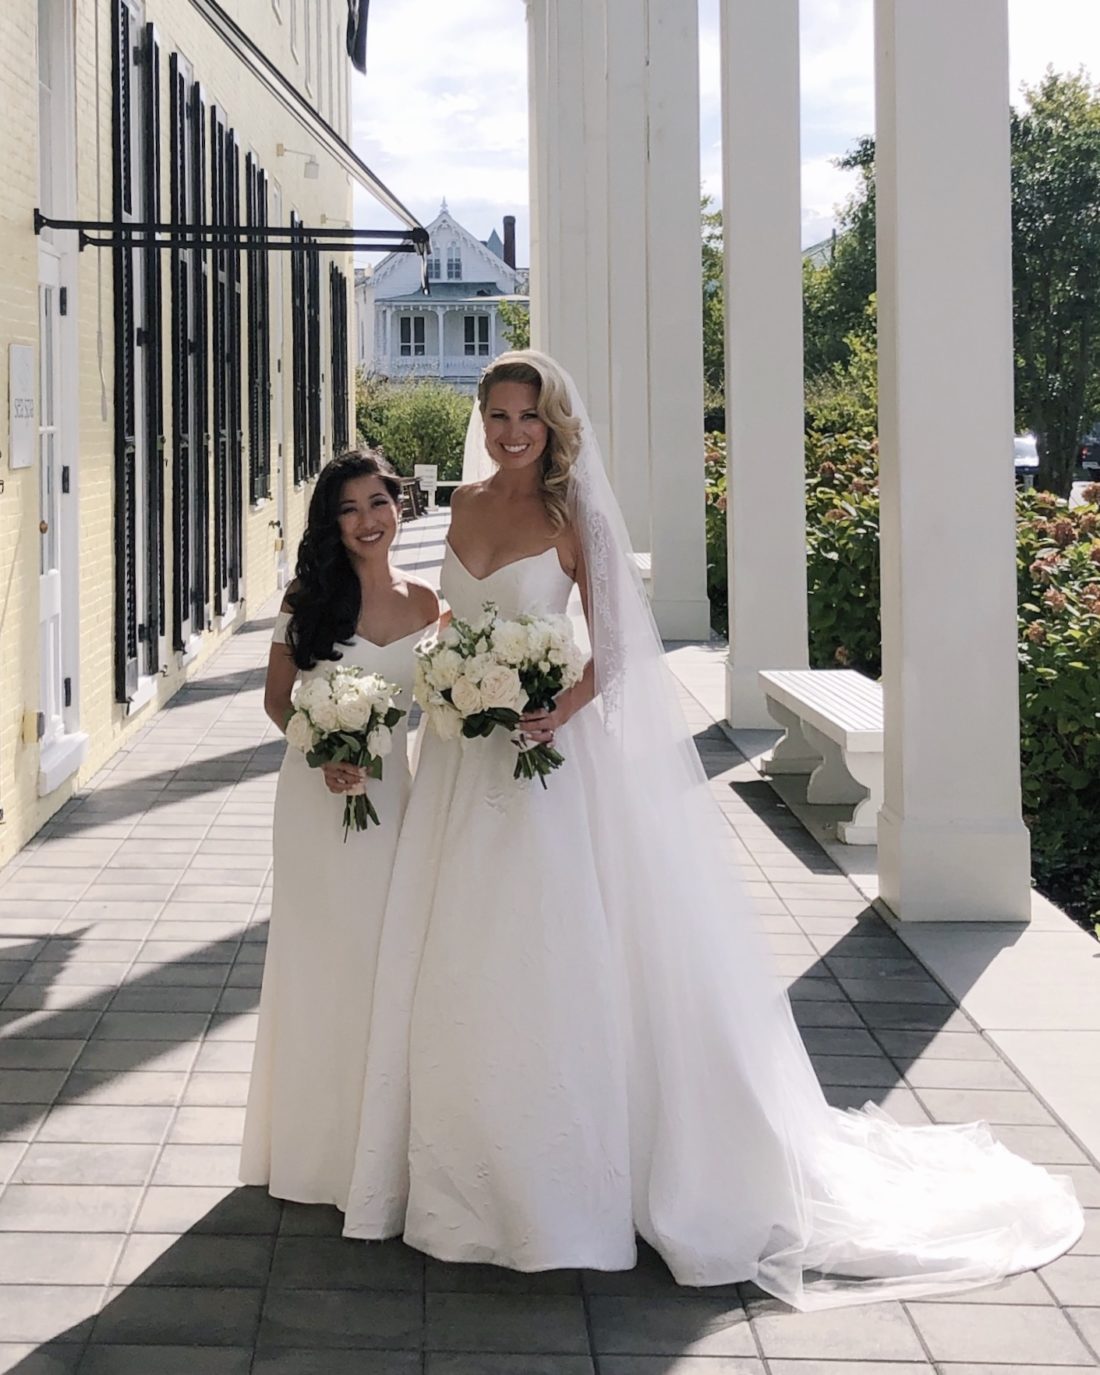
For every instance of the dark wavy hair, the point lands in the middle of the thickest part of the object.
(325, 599)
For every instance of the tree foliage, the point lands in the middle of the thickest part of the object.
(835, 294)
(515, 319)
(1056, 268)
(714, 309)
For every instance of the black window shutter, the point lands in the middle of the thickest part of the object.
(298, 343)
(265, 342)
(222, 361)
(259, 339)
(313, 351)
(338, 292)
(153, 343)
(200, 273)
(183, 594)
(235, 474)
(125, 503)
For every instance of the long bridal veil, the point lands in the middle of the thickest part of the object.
(740, 1168)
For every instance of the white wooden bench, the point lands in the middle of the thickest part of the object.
(832, 719)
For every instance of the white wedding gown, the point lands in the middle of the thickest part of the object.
(328, 898)
(576, 1036)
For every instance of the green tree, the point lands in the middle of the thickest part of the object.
(714, 310)
(835, 294)
(1056, 268)
(515, 318)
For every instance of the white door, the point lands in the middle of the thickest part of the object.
(278, 399)
(51, 479)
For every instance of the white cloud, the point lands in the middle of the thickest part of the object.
(442, 111)
(443, 108)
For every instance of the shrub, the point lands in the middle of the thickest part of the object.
(1058, 581)
(842, 552)
(714, 459)
(414, 422)
(1058, 570)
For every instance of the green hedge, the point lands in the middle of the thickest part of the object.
(1058, 573)
(413, 422)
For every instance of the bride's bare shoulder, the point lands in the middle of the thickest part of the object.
(467, 493)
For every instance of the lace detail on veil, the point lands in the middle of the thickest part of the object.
(608, 648)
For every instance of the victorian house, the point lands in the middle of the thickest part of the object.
(453, 332)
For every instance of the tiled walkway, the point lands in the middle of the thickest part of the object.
(131, 947)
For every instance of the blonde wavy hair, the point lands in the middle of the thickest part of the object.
(564, 441)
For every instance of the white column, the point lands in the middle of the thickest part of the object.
(952, 844)
(626, 172)
(439, 314)
(762, 220)
(540, 132)
(615, 254)
(675, 392)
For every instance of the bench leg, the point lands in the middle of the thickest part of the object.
(830, 783)
(862, 829)
(794, 753)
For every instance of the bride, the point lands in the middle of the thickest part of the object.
(576, 1036)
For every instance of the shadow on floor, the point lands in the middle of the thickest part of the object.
(257, 1285)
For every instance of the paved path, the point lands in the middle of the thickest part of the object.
(131, 947)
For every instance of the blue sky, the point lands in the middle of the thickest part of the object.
(442, 110)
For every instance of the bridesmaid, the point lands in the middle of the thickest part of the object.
(348, 603)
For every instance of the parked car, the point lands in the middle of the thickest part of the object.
(1088, 455)
(1027, 458)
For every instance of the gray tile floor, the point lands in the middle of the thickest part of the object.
(131, 947)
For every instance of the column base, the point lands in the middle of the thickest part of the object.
(746, 708)
(953, 871)
(682, 620)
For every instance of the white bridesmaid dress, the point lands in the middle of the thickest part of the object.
(306, 1092)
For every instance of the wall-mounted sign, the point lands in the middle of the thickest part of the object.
(23, 425)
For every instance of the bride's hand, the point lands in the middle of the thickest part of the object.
(340, 777)
(540, 726)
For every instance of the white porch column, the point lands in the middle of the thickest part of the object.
(762, 220)
(952, 844)
(675, 392)
(615, 249)
(626, 172)
(439, 314)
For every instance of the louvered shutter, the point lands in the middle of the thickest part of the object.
(200, 274)
(299, 366)
(183, 364)
(152, 351)
(125, 508)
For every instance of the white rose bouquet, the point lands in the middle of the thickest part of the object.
(346, 716)
(485, 673)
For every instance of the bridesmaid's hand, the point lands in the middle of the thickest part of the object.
(340, 777)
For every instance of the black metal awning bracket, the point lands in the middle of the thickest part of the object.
(254, 238)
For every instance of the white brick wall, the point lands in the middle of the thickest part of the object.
(260, 123)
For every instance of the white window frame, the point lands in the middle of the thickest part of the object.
(454, 262)
(474, 327)
(414, 346)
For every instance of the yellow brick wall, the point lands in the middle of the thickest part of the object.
(260, 123)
